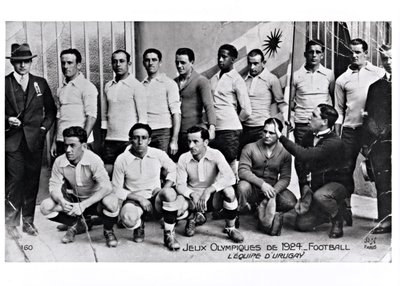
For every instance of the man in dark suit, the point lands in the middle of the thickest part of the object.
(378, 139)
(29, 114)
(320, 154)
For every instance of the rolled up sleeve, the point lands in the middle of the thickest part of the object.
(173, 97)
(90, 100)
(340, 102)
(57, 178)
(118, 180)
(243, 99)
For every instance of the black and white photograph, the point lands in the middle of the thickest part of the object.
(251, 143)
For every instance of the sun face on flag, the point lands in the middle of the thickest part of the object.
(271, 43)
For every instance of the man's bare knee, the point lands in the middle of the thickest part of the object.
(110, 202)
(229, 194)
(129, 219)
(168, 195)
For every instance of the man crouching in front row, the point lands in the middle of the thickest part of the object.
(79, 186)
(204, 183)
(136, 182)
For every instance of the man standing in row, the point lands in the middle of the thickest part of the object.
(123, 104)
(378, 139)
(351, 90)
(230, 95)
(29, 114)
(264, 88)
(195, 95)
(163, 104)
(312, 84)
(76, 100)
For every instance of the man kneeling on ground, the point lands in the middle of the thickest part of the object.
(79, 186)
(321, 154)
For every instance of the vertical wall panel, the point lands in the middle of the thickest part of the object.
(34, 34)
(93, 52)
(107, 49)
(78, 41)
(50, 54)
(64, 35)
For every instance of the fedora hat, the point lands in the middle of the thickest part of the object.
(20, 52)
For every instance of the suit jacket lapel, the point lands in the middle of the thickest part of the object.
(31, 91)
(10, 93)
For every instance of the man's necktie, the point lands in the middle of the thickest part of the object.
(24, 82)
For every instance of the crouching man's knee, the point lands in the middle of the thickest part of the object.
(229, 194)
(110, 203)
(131, 217)
(167, 195)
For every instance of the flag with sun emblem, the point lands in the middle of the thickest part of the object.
(277, 41)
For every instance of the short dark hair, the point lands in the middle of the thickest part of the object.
(204, 132)
(314, 42)
(128, 56)
(76, 131)
(271, 120)
(72, 52)
(186, 51)
(155, 51)
(359, 41)
(140, 126)
(256, 52)
(329, 113)
(231, 49)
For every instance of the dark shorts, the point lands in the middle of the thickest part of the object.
(157, 209)
(299, 130)
(214, 203)
(112, 149)
(250, 135)
(227, 141)
(160, 139)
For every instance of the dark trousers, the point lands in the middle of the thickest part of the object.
(250, 135)
(227, 142)
(351, 137)
(22, 184)
(380, 157)
(183, 146)
(325, 204)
